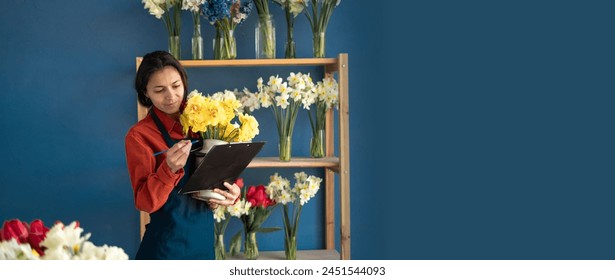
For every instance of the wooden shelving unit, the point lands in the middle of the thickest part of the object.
(332, 163)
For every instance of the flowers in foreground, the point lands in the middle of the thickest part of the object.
(279, 190)
(22, 241)
(212, 117)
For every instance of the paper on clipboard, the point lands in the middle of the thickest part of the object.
(223, 163)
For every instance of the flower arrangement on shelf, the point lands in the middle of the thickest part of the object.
(253, 209)
(285, 100)
(225, 16)
(162, 8)
(249, 101)
(212, 117)
(222, 216)
(194, 6)
(280, 191)
(292, 8)
(318, 16)
(34, 241)
(265, 31)
(327, 97)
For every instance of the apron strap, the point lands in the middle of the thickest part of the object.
(165, 134)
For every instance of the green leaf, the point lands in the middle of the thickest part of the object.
(265, 230)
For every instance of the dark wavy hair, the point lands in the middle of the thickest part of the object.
(151, 63)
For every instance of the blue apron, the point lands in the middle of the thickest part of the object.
(183, 228)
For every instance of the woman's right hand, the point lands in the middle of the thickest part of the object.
(178, 155)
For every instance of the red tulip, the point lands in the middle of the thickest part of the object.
(38, 231)
(258, 197)
(239, 182)
(14, 229)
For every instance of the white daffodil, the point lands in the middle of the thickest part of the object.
(282, 101)
(240, 208)
(11, 250)
(154, 7)
(304, 196)
(192, 5)
(57, 253)
(265, 99)
(220, 214)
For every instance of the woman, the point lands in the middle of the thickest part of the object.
(181, 227)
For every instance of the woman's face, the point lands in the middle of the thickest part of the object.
(166, 90)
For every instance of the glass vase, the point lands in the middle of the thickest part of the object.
(285, 148)
(319, 44)
(290, 247)
(317, 143)
(264, 35)
(250, 249)
(220, 251)
(174, 48)
(289, 46)
(225, 46)
(197, 43)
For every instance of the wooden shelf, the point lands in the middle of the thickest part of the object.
(259, 62)
(275, 162)
(339, 164)
(301, 255)
(256, 62)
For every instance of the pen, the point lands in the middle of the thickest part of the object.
(162, 152)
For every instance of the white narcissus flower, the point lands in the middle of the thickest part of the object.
(57, 253)
(274, 82)
(114, 253)
(284, 197)
(229, 95)
(304, 196)
(65, 243)
(313, 184)
(105, 252)
(62, 242)
(192, 5)
(250, 100)
(259, 84)
(154, 7)
(240, 208)
(90, 252)
(282, 101)
(11, 250)
(220, 214)
(295, 95)
(264, 99)
(301, 176)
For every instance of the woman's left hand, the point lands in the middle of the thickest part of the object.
(231, 196)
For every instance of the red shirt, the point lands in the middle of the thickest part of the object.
(152, 179)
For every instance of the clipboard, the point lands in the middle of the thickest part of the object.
(223, 163)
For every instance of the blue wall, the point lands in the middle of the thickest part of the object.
(507, 110)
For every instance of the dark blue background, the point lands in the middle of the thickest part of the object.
(478, 130)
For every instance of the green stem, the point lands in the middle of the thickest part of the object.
(290, 51)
